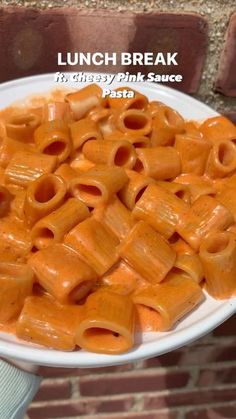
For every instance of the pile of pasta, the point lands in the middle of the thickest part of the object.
(114, 215)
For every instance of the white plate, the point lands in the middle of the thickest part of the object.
(202, 320)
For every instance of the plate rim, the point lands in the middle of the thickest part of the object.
(54, 358)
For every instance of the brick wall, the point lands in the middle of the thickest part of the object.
(203, 33)
(194, 382)
(199, 380)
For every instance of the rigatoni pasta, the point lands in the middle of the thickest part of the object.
(147, 252)
(107, 324)
(53, 138)
(83, 130)
(95, 244)
(82, 101)
(21, 127)
(172, 299)
(112, 153)
(161, 209)
(41, 313)
(52, 228)
(26, 166)
(116, 216)
(62, 273)
(98, 185)
(160, 163)
(16, 283)
(43, 196)
(218, 255)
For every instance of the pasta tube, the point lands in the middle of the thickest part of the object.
(116, 217)
(81, 164)
(161, 209)
(52, 228)
(41, 322)
(206, 215)
(95, 244)
(218, 128)
(113, 153)
(176, 296)
(134, 188)
(3, 131)
(166, 124)
(180, 190)
(82, 101)
(16, 282)
(191, 265)
(134, 121)
(107, 325)
(232, 229)
(83, 130)
(56, 111)
(98, 184)
(193, 152)
(106, 123)
(43, 196)
(121, 278)
(66, 172)
(98, 114)
(15, 238)
(8, 148)
(227, 198)
(5, 200)
(21, 127)
(218, 256)
(192, 128)
(147, 252)
(135, 139)
(138, 141)
(161, 163)
(180, 246)
(153, 107)
(17, 203)
(139, 101)
(2, 172)
(53, 138)
(197, 185)
(26, 166)
(146, 319)
(222, 159)
(62, 273)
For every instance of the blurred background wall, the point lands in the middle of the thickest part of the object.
(202, 31)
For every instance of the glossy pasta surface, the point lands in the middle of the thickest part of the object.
(115, 217)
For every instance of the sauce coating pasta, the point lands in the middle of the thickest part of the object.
(114, 215)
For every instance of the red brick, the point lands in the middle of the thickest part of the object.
(210, 377)
(224, 412)
(52, 372)
(81, 407)
(197, 354)
(135, 415)
(189, 398)
(104, 370)
(141, 382)
(226, 78)
(166, 360)
(227, 328)
(208, 353)
(55, 391)
(74, 372)
(231, 115)
(40, 34)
